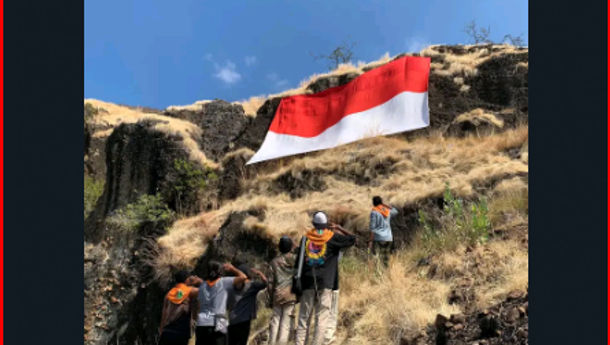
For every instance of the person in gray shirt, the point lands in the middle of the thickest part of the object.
(213, 295)
(381, 238)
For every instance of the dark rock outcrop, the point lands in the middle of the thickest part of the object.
(221, 123)
(234, 173)
(138, 159)
(95, 150)
(254, 134)
(505, 323)
(327, 82)
(122, 300)
(238, 244)
(499, 84)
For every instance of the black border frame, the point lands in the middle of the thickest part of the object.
(43, 270)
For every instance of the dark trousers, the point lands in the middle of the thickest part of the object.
(239, 333)
(171, 338)
(383, 250)
(207, 336)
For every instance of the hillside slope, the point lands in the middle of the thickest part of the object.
(473, 159)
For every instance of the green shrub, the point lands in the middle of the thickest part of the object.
(458, 224)
(187, 182)
(93, 190)
(148, 208)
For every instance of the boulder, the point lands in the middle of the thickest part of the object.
(221, 123)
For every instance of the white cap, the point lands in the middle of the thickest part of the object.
(319, 218)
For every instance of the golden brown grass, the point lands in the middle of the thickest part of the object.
(464, 64)
(252, 104)
(117, 114)
(383, 305)
(192, 107)
(416, 170)
(478, 115)
(380, 306)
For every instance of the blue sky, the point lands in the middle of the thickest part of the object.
(159, 53)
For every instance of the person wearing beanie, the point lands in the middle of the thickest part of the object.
(381, 239)
(323, 244)
(282, 298)
(242, 305)
(179, 309)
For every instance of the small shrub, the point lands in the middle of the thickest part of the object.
(93, 190)
(456, 225)
(187, 182)
(148, 208)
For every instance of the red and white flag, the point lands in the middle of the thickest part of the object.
(389, 99)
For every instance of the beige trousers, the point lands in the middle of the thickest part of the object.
(329, 334)
(322, 316)
(280, 324)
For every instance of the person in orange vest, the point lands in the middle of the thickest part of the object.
(320, 249)
(179, 310)
(380, 242)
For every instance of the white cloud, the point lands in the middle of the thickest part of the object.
(276, 80)
(227, 73)
(250, 60)
(416, 44)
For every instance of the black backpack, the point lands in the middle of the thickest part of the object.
(297, 287)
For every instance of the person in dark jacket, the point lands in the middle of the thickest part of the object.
(242, 305)
(282, 298)
(322, 246)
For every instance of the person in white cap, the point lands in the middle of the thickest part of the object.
(322, 246)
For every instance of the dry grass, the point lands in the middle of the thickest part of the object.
(192, 107)
(252, 104)
(377, 305)
(380, 306)
(184, 244)
(510, 203)
(464, 64)
(415, 171)
(189, 132)
(478, 115)
(503, 269)
(383, 305)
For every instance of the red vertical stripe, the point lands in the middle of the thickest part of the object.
(1, 172)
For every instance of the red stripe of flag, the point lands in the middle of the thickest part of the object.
(309, 115)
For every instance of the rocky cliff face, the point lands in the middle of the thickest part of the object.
(121, 296)
(139, 158)
(480, 90)
(221, 124)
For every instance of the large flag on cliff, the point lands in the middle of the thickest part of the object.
(389, 99)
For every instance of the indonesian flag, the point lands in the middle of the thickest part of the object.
(389, 99)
